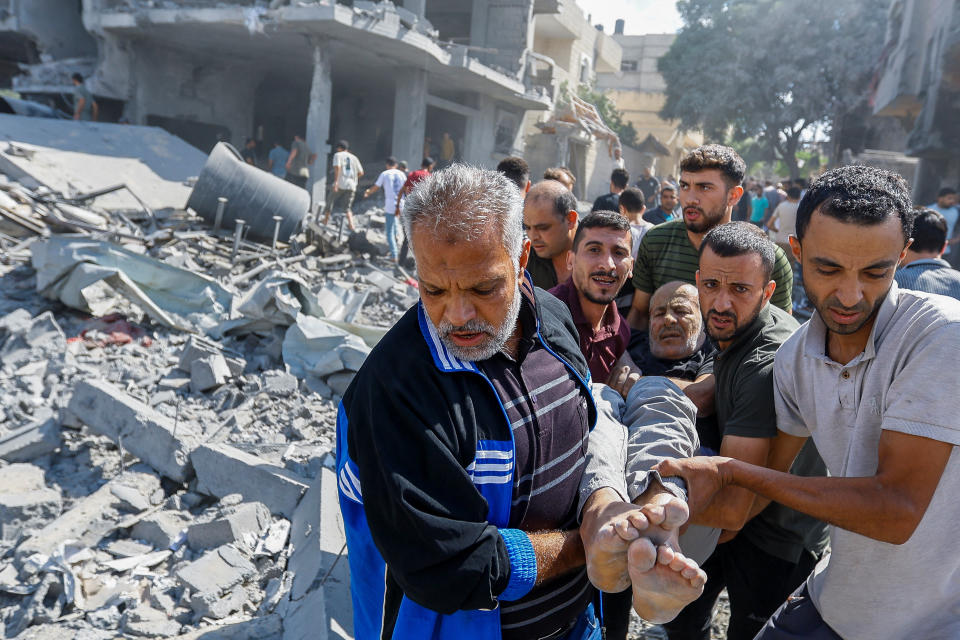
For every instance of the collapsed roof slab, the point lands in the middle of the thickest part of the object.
(358, 38)
(73, 157)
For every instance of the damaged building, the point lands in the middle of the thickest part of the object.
(393, 79)
(918, 86)
(640, 93)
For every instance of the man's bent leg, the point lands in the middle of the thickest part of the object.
(758, 583)
(616, 613)
(797, 619)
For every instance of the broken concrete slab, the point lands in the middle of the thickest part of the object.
(249, 517)
(219, 607)
(222, 470)
(161, 529)
(315, 347)
(208, 372)
(65, 157)
(280, 383)
(152, 437)
(31, 441)
(269, 627)
(279, 299)
(216, 580)
(41, 338)
(92, 276)
(145, 622)
(25, 501)
(318, 540)
(198, 347)
(339, 382)
(90, 518)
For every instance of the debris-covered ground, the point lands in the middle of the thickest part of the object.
(168, 415)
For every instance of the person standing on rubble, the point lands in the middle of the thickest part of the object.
(391, 181)
(84, 106)
(424, 172)
(299, 161)
(347, 171)
(277, 159)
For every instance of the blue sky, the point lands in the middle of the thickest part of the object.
(642, 16)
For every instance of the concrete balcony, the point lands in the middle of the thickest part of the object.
(363, 35)
(608, 54)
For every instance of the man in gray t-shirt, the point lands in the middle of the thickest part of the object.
(862, 378)
(84, 106)
(300, 158)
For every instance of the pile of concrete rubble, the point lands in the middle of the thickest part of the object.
(168, 415)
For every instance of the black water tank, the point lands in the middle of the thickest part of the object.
(253, 195)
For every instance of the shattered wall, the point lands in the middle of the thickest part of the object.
(172, 85)
(57, 26)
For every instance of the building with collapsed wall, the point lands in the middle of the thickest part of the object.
(569, 51)
(640, 93)
(918, 84)
(390, 78)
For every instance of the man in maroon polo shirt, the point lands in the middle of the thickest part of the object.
(600, 262)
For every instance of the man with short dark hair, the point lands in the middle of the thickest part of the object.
(276, 159)
(857, 378)
(649, 185)
(550, 222)
(923, 268)
(391, 181)
(413, 178)
(249, 153)
(619, 179)
(600, 262)
(632, 205)
(768, 549)
(84, 106)
(562, 175)
(709, 187)
(347, 172)
(666, 210)
(517, 170)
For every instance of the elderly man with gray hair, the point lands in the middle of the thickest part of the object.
(461, 442)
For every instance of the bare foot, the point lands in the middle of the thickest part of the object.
(665, 514)
(664, 581)
(607, 533)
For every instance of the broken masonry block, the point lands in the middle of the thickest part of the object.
(156, 439)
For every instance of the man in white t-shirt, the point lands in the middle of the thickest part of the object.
(391, 181)
(347, 170)
(862, 378)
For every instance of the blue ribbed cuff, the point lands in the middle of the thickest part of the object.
(523, 564)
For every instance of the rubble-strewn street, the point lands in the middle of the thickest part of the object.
(169, 406)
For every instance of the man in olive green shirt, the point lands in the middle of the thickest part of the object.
(710, 178)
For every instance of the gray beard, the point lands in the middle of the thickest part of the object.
(497, 336)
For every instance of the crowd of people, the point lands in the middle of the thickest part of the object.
(609, 412)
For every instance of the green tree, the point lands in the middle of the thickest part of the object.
(770, 69)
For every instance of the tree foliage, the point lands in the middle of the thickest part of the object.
(770, 69)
